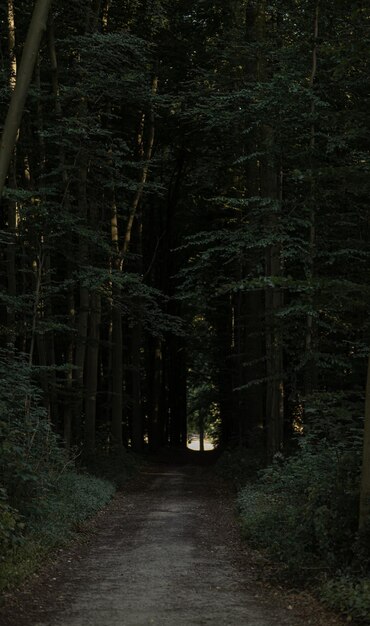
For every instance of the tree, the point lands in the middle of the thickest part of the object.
(24, 76)
(365, 474)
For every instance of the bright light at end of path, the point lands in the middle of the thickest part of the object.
(194, 444)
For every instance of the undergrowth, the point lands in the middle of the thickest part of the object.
(44, 499)
(116, 467)
(239, 465)
(74, 499)
(303, 510)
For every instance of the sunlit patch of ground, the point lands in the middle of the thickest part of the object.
(194, 444)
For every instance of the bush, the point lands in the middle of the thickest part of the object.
(304, 508)
(239, 465)
(42, 500)
(350, 595)
(116, 467)
(30, 455)
(75, 498)
(10, 525)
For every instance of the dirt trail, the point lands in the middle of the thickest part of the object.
(165, 553)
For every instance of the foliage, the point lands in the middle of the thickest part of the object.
(240, 465)
(73, 499)
(10, 525)
(313, 495)
(350, 595)
(116, 467)
(31, 458)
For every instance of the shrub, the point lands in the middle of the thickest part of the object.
(239, 465)
(116, 467)
(29, 452)
(350, 595)
(10, 525)
(75, 497)
(304, 508)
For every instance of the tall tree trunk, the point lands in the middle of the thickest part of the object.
(12, 206)
(92, 360)
(69, 395)
(310, 370)
(117, 370)
(154, 426)
(274, 360)
(254, 370)
(117, 339)
(364, 513)
(201, 432)
(54, 69)
(224, 331)
(273, 302)
(24, 76)
(137, 428)
(84, 296)
(271, 188)
(177, 392)
(11, 45)
(146, 155)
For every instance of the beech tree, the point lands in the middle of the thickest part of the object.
(22, 83)
(365, 473)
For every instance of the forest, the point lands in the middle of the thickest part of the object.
(185, 247)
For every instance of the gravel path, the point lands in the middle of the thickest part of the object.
(166, 553)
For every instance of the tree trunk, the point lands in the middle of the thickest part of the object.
(201, 432)
(310, 370)
(54, 69)
(12, 206)
(137, 427)
(24, 76)
(364, 515)
(154, 430)
(146, 155)
(254, 370)
(274, 360)
(117, 369)
(84, 301)
(92, 360)
(11, 46)
(177, 392)
(273, 302)
(68, 406)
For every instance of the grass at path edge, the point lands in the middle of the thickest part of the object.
(75, 497)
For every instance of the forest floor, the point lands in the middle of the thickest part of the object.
(166, 551)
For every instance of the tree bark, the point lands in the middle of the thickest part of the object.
(92, 360)
(154, 425)
(271, 188)
(12, 206)
(146, 155)
(137, 428)
(24, 76)
(310, 370)
(177, 391)
(117, 369)
(68, 403)
(364, 513)
(84, 301)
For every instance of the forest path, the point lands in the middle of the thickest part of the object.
(166, 552)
